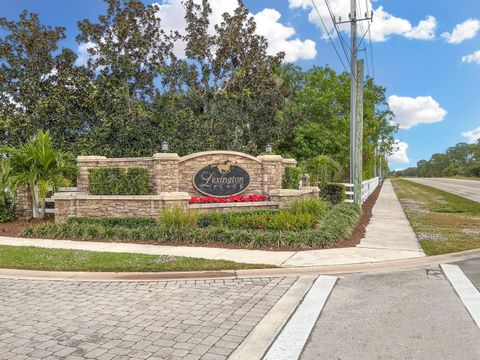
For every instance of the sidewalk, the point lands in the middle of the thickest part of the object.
(389, 236)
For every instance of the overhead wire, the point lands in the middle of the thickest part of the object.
(330, 37)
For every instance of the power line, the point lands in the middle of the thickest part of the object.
(329, 36)
(340, 37)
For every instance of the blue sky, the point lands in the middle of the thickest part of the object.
(426, 53)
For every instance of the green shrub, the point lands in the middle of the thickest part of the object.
(337, 224)
(7, 210)
(315, 207)
(334, 193)
(116, 181)
(131, 221)
(322, 169)
(178, 218)
(291, 178)
(260, 220)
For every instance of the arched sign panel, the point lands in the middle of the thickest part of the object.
(224, 179)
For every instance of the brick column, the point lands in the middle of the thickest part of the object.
(23, 204)
(272, 169)
(165, 172)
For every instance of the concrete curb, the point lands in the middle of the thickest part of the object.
(384, 266)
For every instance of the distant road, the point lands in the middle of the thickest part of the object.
(469, 189)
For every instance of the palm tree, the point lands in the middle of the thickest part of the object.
(40, 167)
(286, 78)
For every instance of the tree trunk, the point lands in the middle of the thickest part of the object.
(36, 212)
(42, 212)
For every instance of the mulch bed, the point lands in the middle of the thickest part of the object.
(359, 232)
(14, 228)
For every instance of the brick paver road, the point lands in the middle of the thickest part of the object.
(120, 320)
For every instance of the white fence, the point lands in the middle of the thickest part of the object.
(50, 200)
(368, 187)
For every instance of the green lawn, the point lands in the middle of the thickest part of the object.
(443, 222)
(34, 258)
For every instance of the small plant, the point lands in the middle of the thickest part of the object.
(291, 178)
(315, 207)
(178, 218)
(334, 193)
(7, 210)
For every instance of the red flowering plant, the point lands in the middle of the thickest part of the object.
(229, 199)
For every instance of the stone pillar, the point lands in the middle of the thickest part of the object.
(165, 172)
(24, 204)
(85, 163)
(272, 169)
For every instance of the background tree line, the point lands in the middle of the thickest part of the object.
(225, 93)
(460, 160)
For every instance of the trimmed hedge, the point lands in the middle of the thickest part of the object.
(131, 221)
(116, 181)
(268, 220)
(335, 193)
(337, 224)
(291, 178)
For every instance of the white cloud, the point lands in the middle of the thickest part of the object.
(472, 135)
(384, 24)
(464, 31)
(410, 111)
(400, 154)
(280, 37)
(425, 30)
(82, 53)
(472, 58)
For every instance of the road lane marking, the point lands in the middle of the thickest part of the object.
(291, 341)
(465, 290)
(261, 337)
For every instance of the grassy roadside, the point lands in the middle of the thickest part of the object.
(34, 258)
(443, 222)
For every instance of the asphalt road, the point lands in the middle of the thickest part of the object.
(471, 268)
(469, 189)
(401, 315)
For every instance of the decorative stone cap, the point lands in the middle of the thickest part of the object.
(90, 158)
(273, 158)
(291, 162)
(105, 159)
(235, 205)
(170, 196)
(293, 192)
(166, 156)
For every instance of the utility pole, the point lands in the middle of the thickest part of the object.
(356, 102)
(353, 87)
(358, 151)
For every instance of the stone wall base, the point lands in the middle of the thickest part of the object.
(285, 196)
(78, 204)
(231, 207)
(75, 204)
